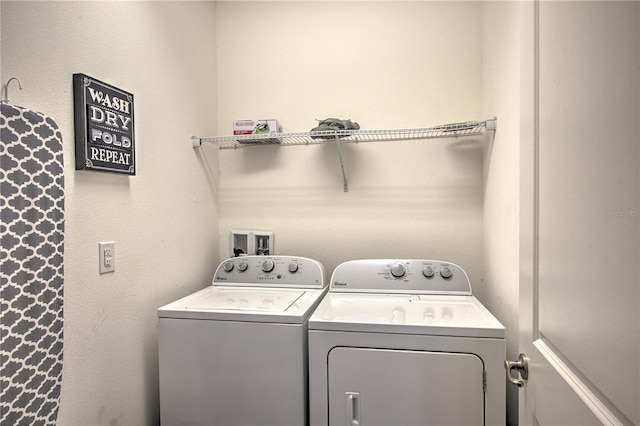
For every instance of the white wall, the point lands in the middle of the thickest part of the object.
(502, 50)
(163, 220)
(384, 65)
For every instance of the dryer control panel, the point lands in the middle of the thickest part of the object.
(270, 271)
(410, 276)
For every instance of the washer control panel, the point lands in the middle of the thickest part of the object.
(271, 271)
(412, 276)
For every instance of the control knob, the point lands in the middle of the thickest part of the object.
(268, 265)
(228, 267)
(293, 268)
(427, 271)
(446, 272)
(398, 270)
(243, 266)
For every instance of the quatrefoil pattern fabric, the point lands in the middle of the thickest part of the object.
(31, 292)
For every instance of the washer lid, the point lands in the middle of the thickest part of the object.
(244, 299)
(253, 304)
(435, 315)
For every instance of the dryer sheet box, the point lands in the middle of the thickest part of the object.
(257, 127)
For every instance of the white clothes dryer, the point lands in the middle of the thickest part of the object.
(235, 353)
(404, 342)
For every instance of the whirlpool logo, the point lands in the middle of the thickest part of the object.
(339, 284)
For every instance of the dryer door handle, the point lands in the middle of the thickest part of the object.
(352, 400)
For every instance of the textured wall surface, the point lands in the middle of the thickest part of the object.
(384, 65)
(163, 220)
(194, 67)
(502, 52)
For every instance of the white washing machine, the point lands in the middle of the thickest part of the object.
(404, 342)
(235, 353)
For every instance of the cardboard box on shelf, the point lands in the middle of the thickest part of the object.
(257, 127)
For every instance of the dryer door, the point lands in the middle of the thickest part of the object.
(403, 387)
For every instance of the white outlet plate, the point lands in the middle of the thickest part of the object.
(107, 257)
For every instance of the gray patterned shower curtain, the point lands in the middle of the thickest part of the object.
(31, 292)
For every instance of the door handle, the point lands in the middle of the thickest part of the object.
(353, 408)
(522, 366)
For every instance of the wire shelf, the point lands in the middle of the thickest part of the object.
(469, 128)
(338, 137)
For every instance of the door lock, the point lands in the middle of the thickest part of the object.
(522, 366)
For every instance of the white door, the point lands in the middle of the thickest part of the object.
(382, 387)
(580, 280)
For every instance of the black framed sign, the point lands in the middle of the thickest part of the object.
(104, 126)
